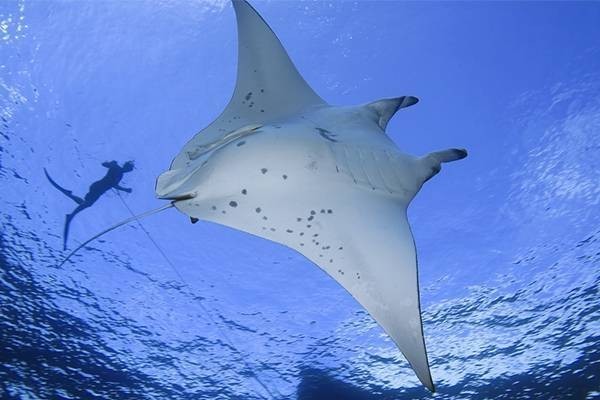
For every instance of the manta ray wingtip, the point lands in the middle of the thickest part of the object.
(425, 377)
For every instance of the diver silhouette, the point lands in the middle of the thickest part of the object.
(110, 181)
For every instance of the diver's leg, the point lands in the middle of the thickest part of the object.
(64, 191)
(66, 230)
(68, 220)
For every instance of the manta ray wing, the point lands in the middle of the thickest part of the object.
(326, 181)
(368, 248)
(268, 85)
(379, 269)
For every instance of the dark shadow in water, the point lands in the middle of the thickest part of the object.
(316, 384)
(110, 181)
(551, 382)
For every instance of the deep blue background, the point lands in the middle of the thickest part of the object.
(508, 239)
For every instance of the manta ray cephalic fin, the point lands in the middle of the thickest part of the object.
(386, 108)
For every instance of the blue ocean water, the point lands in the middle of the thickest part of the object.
(508, 239)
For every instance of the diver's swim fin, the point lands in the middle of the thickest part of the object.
(66, 230)
(64, 191)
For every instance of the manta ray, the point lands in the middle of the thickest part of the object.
(326, 181)
(282, 164)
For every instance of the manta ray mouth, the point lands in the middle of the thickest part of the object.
(170, 184)
(178, 198)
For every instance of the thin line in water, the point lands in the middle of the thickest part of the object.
(204, 309)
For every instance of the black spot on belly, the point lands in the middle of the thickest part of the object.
(313, 212)
(258, 210)
(330, 211)
(233, 204)
(244, 191)
(284, 176)
(248, 96)
(311, 218)
(263, 170)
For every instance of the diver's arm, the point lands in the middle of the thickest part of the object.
(118, 187)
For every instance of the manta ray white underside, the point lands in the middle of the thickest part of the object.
(326, 181)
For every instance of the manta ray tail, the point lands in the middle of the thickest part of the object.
(124, 222)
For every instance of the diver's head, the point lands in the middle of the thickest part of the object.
(128, 166)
